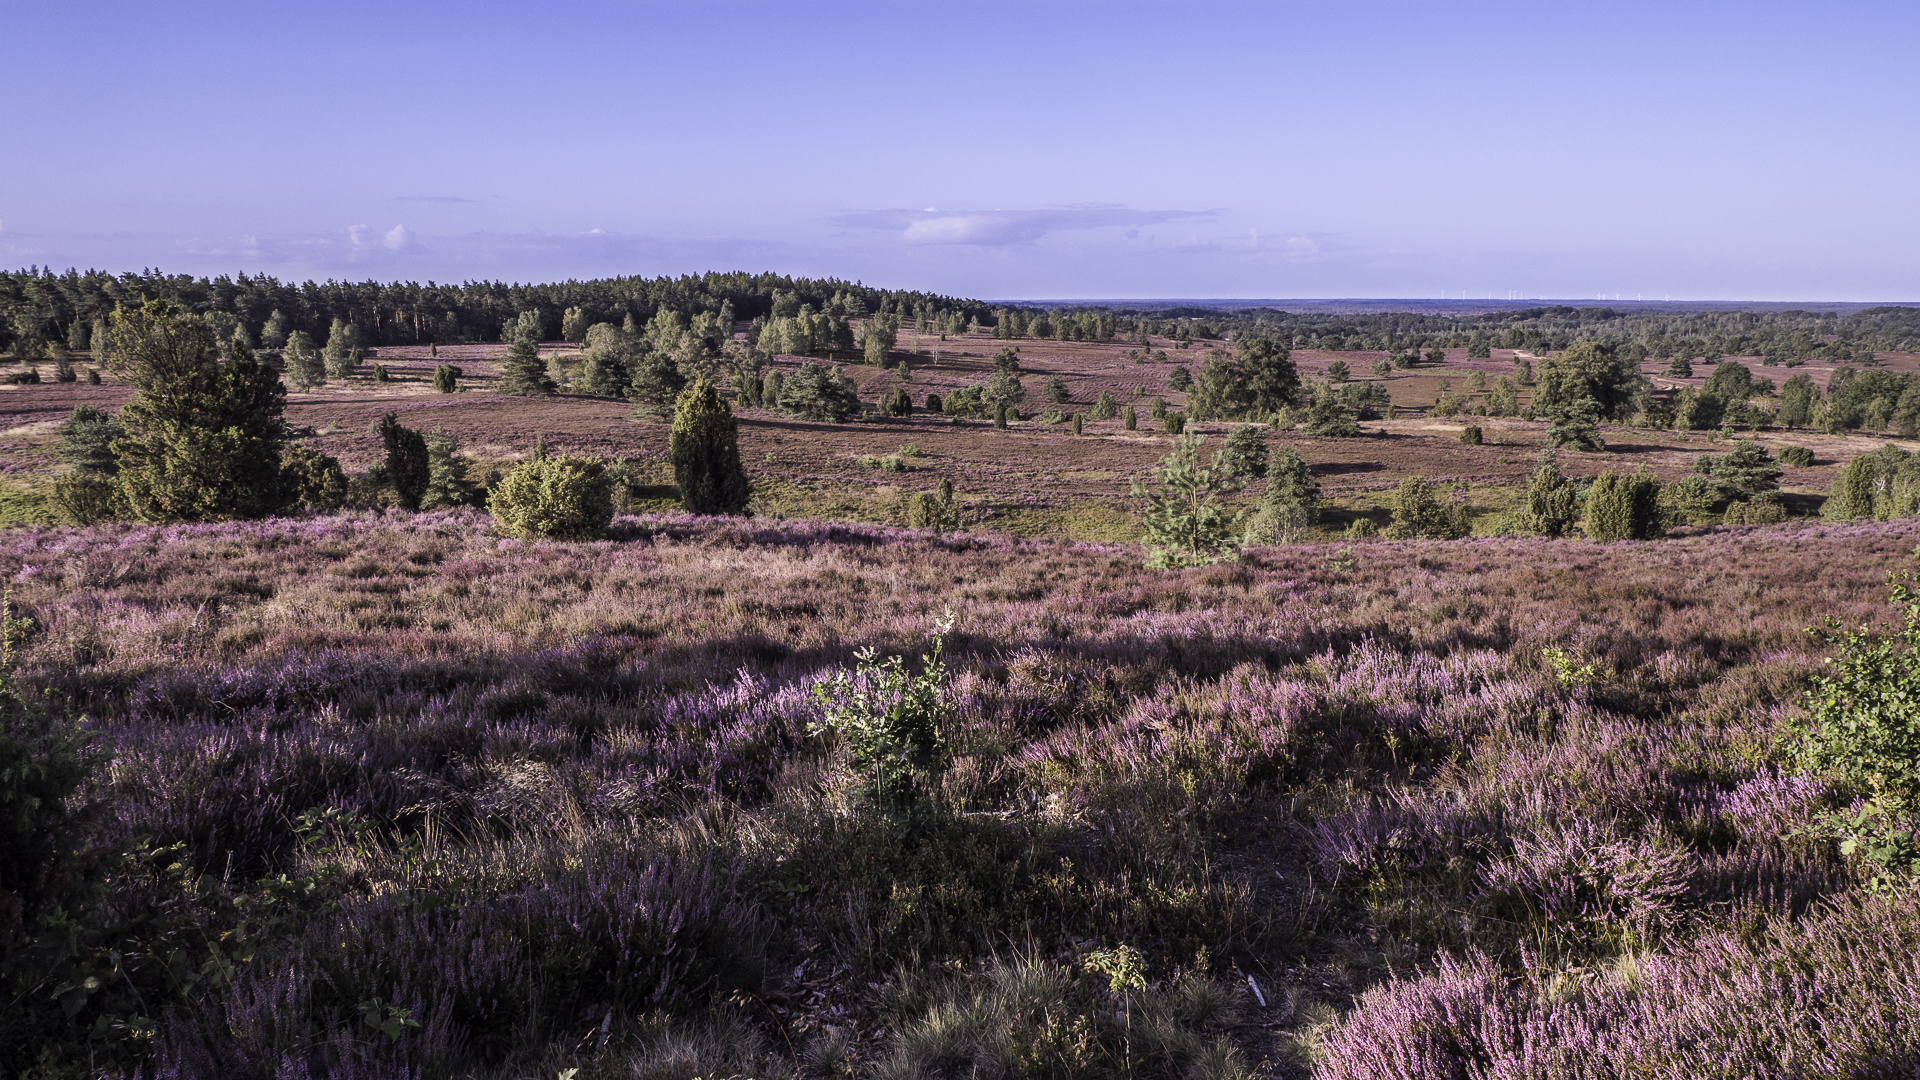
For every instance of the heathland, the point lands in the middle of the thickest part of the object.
(373, 791)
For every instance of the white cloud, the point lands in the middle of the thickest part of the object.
(1002, 228)
(397, 239)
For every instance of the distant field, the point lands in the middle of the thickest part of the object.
(1033, 479)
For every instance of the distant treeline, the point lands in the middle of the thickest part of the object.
(39, 307)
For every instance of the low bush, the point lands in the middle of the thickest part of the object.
(1624, 506)
(1471, 435)
(1799, 457)
(561, 498)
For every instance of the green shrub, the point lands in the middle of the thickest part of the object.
(86, 441)
(1245, 454)
(563, 498)
(935, 510)
(1176, 423)
(446, 378)
(1000, 414)
(1104, 407)
(1552, 502)
(1130, 419)
(1056, 391)
(891, 726)
(1418, 512)
(1471, 435)
(407, 467)
(819, 394)
(1764, 510)
(1861, 729)
(1179, 379)
(1624, 506)
(313, 480)
(1291, 504)
(1799, 457)
(1743, 472)
(1852, 495)
(1330, 417)
(935, 405)
(1688, 499)
(704, 449)
(201, 439)
(1076, 423)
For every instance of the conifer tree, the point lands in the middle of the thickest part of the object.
(1291, 504)
(1623, 506)
(819, 393)
(447, 483)
(342, 350)
(274, 334)
(522, 372)
(1104, 407)
(407, 461)
(1130, 419)
(705, 451)
(304, 367)
(202, 436)
(1185, 524)
(1245, 453)
(1552, 502)
(1417, 512)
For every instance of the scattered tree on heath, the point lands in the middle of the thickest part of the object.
(704, 449)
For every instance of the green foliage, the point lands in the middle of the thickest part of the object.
(313, 480)
(380, 373)
(554, 498)
(820, 394)
(1624, 506)
(1179, 379)
(1688, 499)
(1800, 457)
(936, 510)
(86, 441)
(1680, 368)
(1574, 427)
(1176, 423)
(1329, 417)
(890, 723)
(447, 483)
(1219, 392)
(1731, 381)
(1130, 419)
(1076, 423)
(1797, 399)
(704, 449)
(573, 325)
(899, 403)
(1743, 472)
(1245, 453)
(1269, 381)
(654, 384)
(407, 467)
(1185, 524)
(1339, 372)
(1587, 377)
(1418, 512)
(1000, 415)
(446, 378)
(522, 372)
(1862, 731)
(1504, 398)
(1291, 505)
(1552, 502)
(1697, 410)
(302, 361)
(1056, 390)
(202, 437)
(85, 499)
(341, 354)
(1853, 490)
(1471, 435)
(1104, 407)
(877, 338)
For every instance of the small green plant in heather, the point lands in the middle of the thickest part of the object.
(1862, 731)
(891, 722)
(554, 498)
(1185, 523)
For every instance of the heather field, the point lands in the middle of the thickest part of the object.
(410, 799)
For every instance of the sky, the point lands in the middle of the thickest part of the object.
(1327, 148)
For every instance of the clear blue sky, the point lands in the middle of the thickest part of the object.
(1385, 149)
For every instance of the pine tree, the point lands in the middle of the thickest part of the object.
(202, 436)
(1185, 524)
(1417, 512)
(86, 441)
(447, 483)
(1245, 453)
(573, 325)
(523, 373)
(274, 334)
(1104, 407)
(1179, 379)
(818, 393)
(342, 351)
(705, 451)
(1291, 504)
